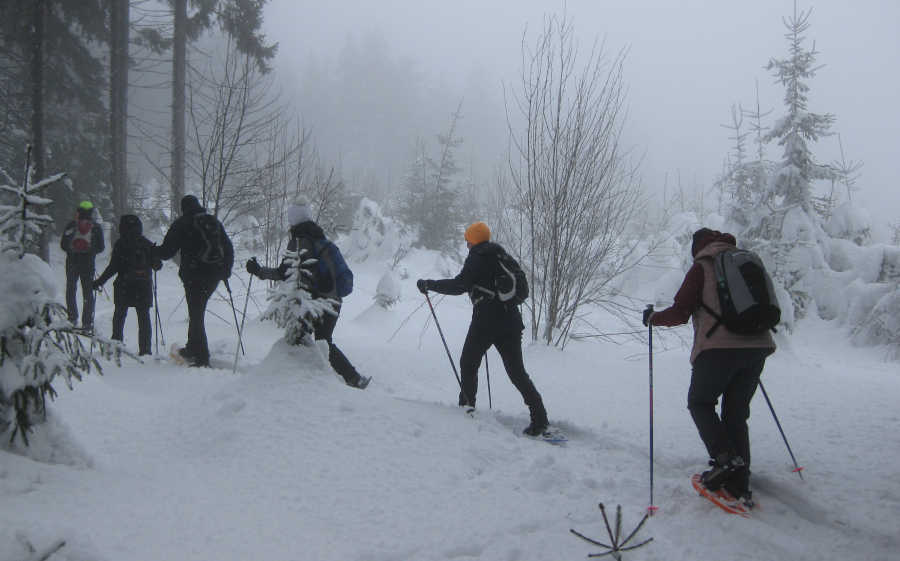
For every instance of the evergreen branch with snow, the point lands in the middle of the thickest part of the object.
(291, 303)
(38, 345)
(34, 354)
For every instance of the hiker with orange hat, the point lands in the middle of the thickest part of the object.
(496, 321)
(82, 240)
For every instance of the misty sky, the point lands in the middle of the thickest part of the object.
(688, 62)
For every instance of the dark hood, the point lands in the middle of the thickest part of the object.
(486, 248)
(190, 205)
(130, 226)
(308, 229)
(704, 236)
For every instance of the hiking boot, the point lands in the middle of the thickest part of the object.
(725, 467)
(360, 383)
(535, 429)
(738, 485)
(539, 422)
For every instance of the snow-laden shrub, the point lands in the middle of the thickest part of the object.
(850, 222)
(388, 291)
(376, 237)
(881, 325)
(291, 305)
(37, 342)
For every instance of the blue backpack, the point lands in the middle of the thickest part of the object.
(332, 278)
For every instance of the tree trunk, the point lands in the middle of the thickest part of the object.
(118, 105)
(37, 104)
(179, 62)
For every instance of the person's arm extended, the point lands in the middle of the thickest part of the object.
(171, 243)
(461, 283)
(112, 267)
(687, 299)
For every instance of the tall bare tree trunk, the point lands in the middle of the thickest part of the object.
(118, 104)
(179, 62)
(37, 104)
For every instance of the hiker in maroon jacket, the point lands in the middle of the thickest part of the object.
(725, 364)
(82, 240)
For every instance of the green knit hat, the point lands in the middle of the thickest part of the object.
(86, 205)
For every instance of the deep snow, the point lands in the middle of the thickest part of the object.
(282, 461)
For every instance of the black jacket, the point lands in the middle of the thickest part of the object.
(182, 236)
(74, 259)
(131, 288)
(479, 269)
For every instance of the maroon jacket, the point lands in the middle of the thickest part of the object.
(699, 287)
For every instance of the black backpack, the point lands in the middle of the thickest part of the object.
(139, 262)
(746, 294)
(510, 286)
(211, 250)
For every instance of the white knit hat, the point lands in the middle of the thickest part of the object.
(298, 212)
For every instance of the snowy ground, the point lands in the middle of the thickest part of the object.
(283, 462)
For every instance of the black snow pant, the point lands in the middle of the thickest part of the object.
(732, 374)
(85, 273)
(509, 345)
(324, 329)
(197, 292)
(144, 335)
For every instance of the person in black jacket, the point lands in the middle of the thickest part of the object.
(338, 282)
(207, 257)
(494, 323)
(82, 240)
(132, 262)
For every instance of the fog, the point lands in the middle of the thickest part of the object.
(372, 77)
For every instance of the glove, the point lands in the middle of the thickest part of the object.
(97, 285)
(253, 266)
(423, 285)
(648, 313)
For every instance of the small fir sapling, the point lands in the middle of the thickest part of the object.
(291, 304)
(37, 342)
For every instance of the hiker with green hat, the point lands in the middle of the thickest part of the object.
(82, 240)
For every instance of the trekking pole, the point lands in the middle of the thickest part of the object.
(446, 348)
(155, 314)
(487, 369)
(652, 508)
(241, 330)
(233, 311)
(797, 468)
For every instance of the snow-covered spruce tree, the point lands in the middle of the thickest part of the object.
(783, 226)
(37, 342)
(792, 182)
(735, 184)
(291, 304)
(431, 203)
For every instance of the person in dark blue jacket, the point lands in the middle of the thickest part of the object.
(331, 278)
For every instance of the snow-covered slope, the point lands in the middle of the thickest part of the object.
(282, 461)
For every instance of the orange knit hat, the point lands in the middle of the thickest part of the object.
(477, 233)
